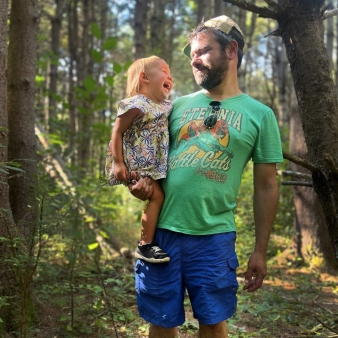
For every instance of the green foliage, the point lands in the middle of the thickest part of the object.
(18, 265)
(76, 275)
(11, 165)
(80, 276)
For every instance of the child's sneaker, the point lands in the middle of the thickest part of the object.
(151, 253)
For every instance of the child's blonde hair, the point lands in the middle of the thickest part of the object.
(133, 80)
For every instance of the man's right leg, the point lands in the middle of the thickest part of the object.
(161, 332)
(160, 289)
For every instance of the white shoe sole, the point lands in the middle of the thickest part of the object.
(152, 260)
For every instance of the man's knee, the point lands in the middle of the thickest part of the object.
(162, 332)
(219, 330)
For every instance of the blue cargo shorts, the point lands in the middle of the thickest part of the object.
(203, 266)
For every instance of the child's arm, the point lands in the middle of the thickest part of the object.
(122, 123)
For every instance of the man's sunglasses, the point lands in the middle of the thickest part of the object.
(211, 120)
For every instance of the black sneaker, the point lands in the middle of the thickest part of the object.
(151, 253)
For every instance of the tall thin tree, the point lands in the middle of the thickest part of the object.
(21, 112)
(19, 221)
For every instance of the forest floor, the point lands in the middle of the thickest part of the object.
(293, 302)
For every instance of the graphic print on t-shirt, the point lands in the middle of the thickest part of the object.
(206, 150)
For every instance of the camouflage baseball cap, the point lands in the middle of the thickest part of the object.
(225, 25)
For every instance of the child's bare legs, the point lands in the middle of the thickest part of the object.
(147, 249)
(151, 214)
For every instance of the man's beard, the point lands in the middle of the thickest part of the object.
(213, 76)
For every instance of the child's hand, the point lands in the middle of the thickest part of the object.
(121, 172)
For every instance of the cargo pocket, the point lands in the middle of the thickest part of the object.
(233, 265)
(139, 275)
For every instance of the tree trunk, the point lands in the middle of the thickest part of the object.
(56, 22)
(301, 27)
(217, 7)
(336, 64)
(140, 28)
(73, 61)
(284, 85)
(312, 238)
(6, 217)
(329, 39)
(157, 28)
(245, 71)
(202, 11)
(21, 113)
(84, 119)
(18, 223)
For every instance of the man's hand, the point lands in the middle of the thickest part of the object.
(142, 189)
(255, 273)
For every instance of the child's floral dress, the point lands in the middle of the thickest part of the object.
(145, 142)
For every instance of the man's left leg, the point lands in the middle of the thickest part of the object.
(210, 264)
(219, 330)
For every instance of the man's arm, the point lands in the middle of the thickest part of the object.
(265, 209)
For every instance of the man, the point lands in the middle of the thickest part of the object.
(213, 134)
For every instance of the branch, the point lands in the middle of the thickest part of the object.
(330, 13)
(274, 5)
(263, 12)
(331, 163)
(326, 326)
(300, 183)
(293, 174)
(314, 301)
(300, 161)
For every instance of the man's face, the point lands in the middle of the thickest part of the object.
(209, 63)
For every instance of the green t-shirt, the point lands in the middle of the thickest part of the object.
(205, 165)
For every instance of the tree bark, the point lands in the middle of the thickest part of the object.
(284, 84)
(6, 217)
(73, 61)
(84, 119)
(140, 28)
(301, 27)
(336, 63)
(329, 38)
(202, 11)
(21, 90)
(311, 234)
(217, 7)
(157, 28)
(18, 216)
(245, 71)
(56, 22)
